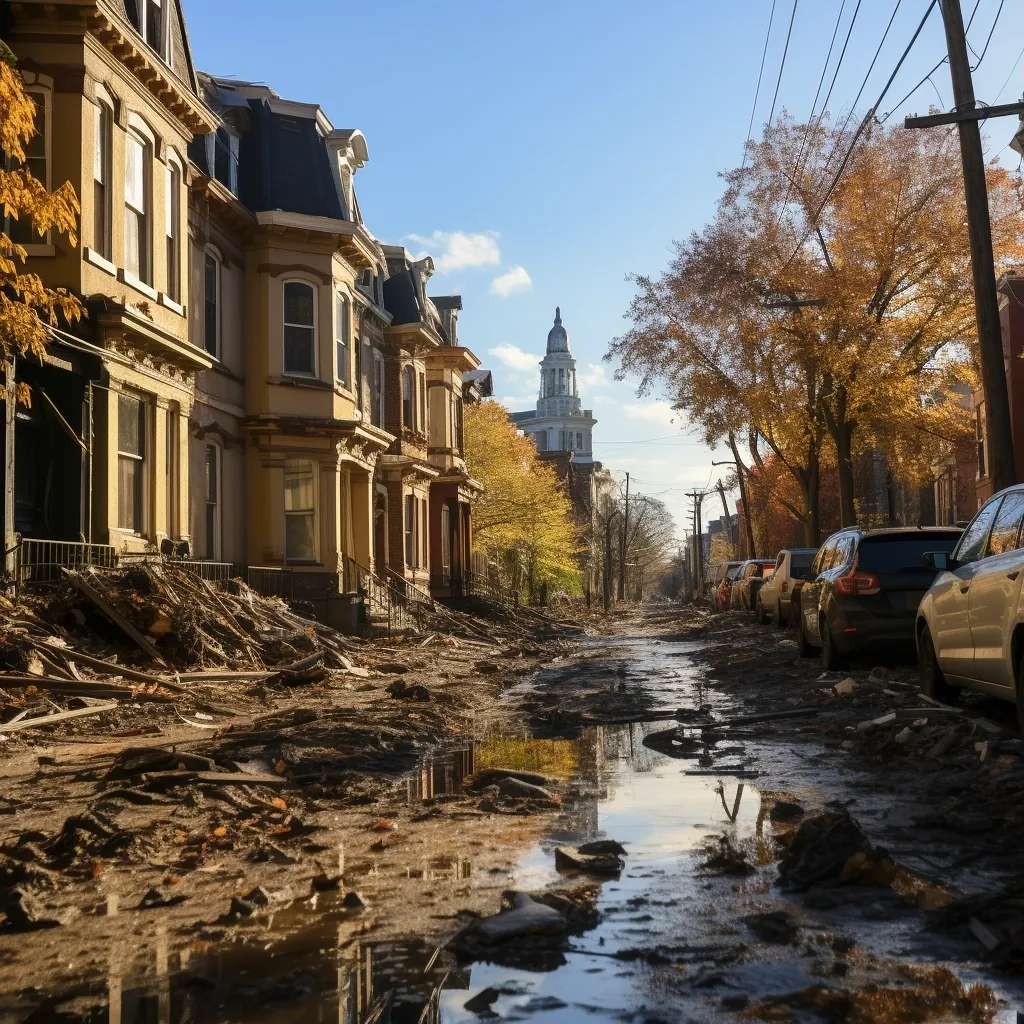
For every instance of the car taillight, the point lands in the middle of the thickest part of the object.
(855, 582)
(785, 586)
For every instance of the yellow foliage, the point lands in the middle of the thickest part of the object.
(524, 517)
(26, 305)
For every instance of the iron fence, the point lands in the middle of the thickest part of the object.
(271, 580)
(214, 572)
(41, 561)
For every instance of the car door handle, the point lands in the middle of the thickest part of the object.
(1013, 575)
(965, 588)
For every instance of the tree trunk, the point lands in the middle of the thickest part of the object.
(747, 518)
(842, 428)
(812, 493)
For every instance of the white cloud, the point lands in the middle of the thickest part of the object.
(457, 250)
(593, 377)
(651, 412)
(515, 279)
(516, 404)
(514, 357)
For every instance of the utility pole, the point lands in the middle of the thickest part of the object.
(622, 547)
(725, 508)
(698, 554)
(966, 114)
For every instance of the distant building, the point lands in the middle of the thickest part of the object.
(559, 423)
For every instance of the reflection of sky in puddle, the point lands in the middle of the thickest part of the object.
(659, 815)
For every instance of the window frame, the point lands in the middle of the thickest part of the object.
(173, 179)
(343, 318)
(295, 464)
(408, 395)
(172, 470)
(142, 461)
(410, 529)
(315, 373)
(212, 254)
(38, 245)
(145, 269)
(103, 213)
(213, 550)
(377, 408)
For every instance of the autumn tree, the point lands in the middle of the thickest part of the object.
(26, 305)
(524, 518)
(819, 309)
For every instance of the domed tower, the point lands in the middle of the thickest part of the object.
(559, 424)
(558, 394)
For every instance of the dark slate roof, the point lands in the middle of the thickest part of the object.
(447, 301)
(520, 417)
(283, 164)
(480, 379)
(402, 298)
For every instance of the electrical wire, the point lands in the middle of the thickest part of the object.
(842, 54)
(1002, 88)
(990, 34)
(757, 91)
(782, 66)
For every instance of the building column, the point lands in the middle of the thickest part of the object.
(330, 517)
(159, 471)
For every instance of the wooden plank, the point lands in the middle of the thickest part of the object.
(89, 591)
(109, 666)
(75, 687)
(60, 716)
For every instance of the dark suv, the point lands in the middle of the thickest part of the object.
(864, 590)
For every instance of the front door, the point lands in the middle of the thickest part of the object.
(992, 604)
(951, 598)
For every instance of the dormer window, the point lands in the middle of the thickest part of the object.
(149, 19)
(222, 157)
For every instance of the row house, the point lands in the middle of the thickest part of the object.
(100, 455)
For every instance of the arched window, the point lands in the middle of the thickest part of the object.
(103, 121)
(211, 302)
(172, 229)
(408, 397)
(137, 207)
(299, 328)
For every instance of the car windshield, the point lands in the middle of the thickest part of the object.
(901, 553)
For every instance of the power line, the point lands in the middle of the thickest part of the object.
(760, 73)
(990, 34)
(782, 66)
(842, 54)
(1009, 76)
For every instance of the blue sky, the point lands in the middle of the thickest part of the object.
(544, 151)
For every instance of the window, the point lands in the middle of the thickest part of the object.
(101, 144)
(299, 328)
(37, 164)
(149, 19)
(211, 304)
(224, 158)
(171, 426)
(357, 376)
(172, 197)
(579, 440)
(422, 410)
(407, 397)
(131, 463)
(1007, 524)
(212, 489)
(423, 532)
(561, 381)
(299, 513)
(341, 329)
(410, 530)
(980, 437)
(972, 544)
(377, 412)
(136, 208)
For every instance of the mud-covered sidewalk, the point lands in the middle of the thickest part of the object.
(707, 829)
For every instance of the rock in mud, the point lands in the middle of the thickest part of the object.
(603, 846)
(481, 1002)
(830, 847)
(22, 912)
(774, 926)
(355, 901)
(672, 743)
(568, 859)
(527, 933)
(408, 691)
(786, 810)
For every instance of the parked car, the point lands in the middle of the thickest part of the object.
(775, 598)
(970, 624)
(748, 581)
(865, 589)
(719, 584)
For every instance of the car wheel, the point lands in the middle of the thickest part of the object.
(803, 648)
(762, 616)
(830, 658)
(780, 622)
(933, 682)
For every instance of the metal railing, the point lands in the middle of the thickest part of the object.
(271, 580)
(41, 561)
(385, 605)
(215, 572)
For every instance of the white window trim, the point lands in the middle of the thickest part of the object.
(143, 133)
(165, 34)
(145, 462)
(218, 341)
(105, 101)
(315, 375)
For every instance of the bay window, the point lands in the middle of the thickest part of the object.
(131, 463)
(299, 329)
(408, 399)
(341, 335)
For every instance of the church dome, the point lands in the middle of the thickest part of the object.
(558, 339)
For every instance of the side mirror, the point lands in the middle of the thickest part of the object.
(938, 560)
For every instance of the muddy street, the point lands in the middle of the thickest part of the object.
(672, 818)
